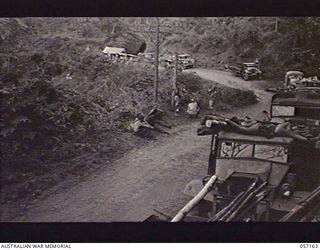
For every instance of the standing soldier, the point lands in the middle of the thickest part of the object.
(213, 92)
(177, 101)
(193, 108)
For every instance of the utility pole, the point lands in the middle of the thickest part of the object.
(156, 49)
(276, 25)
(175, 76)
(175, 71)
(156, 77)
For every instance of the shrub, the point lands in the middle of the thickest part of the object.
(237, 97)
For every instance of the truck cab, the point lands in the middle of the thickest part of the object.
(288, 168)
(186, 61)
(248, 71)
(293, 79)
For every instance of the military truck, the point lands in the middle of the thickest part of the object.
(295, 80)
(247, 71)
(287, 169)
(283, 170)
(255, 178)
(185, 61)
(301, 104)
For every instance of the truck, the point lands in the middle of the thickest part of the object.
(185, 61)
(287, 169)
(257, 178)
(296, 80)
(301, 104)
(247, 71)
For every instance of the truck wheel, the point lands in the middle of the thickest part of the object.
(260, 77)
(245, 76)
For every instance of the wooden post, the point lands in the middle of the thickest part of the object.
(276, 25)
(156, 60)
(175, 72)
(175, 76)
(191, 204)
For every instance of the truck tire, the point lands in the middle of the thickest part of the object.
(245, 76)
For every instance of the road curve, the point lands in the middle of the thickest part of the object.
(144, 179)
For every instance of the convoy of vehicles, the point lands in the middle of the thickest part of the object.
(185, 61)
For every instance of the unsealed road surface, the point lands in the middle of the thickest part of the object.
(148, 178)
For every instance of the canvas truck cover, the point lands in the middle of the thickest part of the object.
(250, 64)
(290, 73)
(297, 99)
(113, 50)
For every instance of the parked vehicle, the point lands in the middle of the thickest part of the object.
(186, 61)
(127, 57)
(247, 71)
(273, 166)
(295, 81)
(148, 57)
(292, 78)
(301, 104)
(255, 178)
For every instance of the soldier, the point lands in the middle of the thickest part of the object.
(154, 118)
(193, 108)
(213, 92)
(139, 123)
(177, 101)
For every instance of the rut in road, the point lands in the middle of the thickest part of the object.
(148, 178)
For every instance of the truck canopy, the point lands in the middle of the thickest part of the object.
(251, 64)
(113, 50)
(297, 99)
(294, 73)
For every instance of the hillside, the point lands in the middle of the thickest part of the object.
(287, 41)
(280, 44)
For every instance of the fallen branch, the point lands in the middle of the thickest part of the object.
(191, 204)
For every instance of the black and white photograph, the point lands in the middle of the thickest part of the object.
(160, 119)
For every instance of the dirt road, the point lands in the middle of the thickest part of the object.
(227, 78)
(148, 178)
